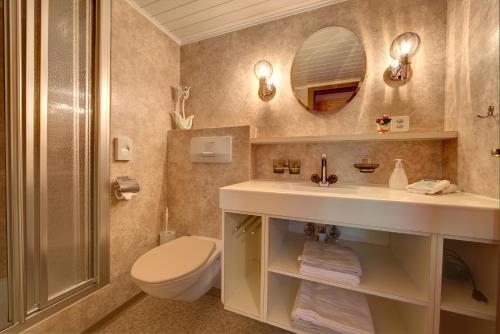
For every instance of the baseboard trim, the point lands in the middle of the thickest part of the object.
(102, 323)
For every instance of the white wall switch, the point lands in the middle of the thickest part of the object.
(400, 123)
(123, 149)
(211, 149)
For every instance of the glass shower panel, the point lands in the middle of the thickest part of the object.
(4, 298)
(66, 144)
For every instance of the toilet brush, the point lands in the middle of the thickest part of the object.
(166, 235)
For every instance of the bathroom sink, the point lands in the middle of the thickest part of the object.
(334, 188)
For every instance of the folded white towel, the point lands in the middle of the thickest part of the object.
(331, 256)
(332, 309)
(330, 261)
(335, 276)
(431, 187)
(309, 327)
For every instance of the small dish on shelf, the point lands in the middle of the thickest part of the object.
(366, 167)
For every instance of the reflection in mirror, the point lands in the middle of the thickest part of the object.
(328, 69)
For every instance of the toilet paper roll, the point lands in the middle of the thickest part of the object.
(124, 196)
(166, 236)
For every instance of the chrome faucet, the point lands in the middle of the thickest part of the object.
(324, 180)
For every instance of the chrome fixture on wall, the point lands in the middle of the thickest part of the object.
(490, 113)
(263, 71)
(324, 180)
(403, 48)
(126, 187)
(495, 152)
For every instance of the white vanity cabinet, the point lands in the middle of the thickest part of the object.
(401, 261)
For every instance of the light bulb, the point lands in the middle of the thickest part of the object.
(405, 45)
(405, 48)
(263, 72)
(263, 69)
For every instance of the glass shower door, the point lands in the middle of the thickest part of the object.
(4, 296)
(63, 233)
(65, 141)
(54, 155)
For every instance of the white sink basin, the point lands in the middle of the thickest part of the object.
(334, 188)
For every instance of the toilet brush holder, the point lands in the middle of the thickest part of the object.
(166, 236)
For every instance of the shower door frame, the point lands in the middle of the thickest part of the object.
(20, 103)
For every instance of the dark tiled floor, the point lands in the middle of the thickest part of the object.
(206, 315)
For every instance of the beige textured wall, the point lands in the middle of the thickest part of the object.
(144, 64)
(224, 93)
(422, 159)
(193, 188)
(472, 86)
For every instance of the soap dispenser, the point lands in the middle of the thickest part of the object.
(398, 179)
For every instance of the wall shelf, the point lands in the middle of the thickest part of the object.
(382, 275)
(395, 136)
(452, 323)
(388, 316)
(456, 298)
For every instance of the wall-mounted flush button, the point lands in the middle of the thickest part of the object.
(211, 149)
(123, 149)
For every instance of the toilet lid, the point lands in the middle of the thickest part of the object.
(172, 260)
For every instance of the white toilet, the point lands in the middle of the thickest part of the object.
(183, 269)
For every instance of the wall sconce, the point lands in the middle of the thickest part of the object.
(403, 48)
(263, 71)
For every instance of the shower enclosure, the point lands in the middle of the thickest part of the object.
(54, 135)
(4, 315)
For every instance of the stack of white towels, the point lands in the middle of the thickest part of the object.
(326, 309)
(330, 261)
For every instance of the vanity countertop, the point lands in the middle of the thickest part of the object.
(459, 214)
(364, 192)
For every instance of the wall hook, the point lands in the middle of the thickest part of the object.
(490, 113)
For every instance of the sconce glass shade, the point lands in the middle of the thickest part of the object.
(263, 69)
(405, 45)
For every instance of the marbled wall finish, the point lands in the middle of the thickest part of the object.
(224, 93)
(193, 188)
(144, 64)
(472, 75)
(422, 159)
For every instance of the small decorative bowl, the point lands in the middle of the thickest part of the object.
(366, 168)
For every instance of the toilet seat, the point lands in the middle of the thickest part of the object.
(173, 260)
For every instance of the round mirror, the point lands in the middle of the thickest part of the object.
(328, 69)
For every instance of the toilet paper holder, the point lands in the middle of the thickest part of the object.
(125, 187)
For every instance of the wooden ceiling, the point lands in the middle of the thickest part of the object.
(188, 21)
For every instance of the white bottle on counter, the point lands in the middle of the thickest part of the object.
(398, 179)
